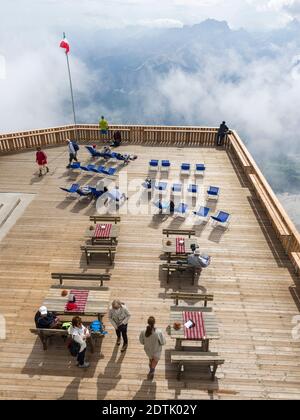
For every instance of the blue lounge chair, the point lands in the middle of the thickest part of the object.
(213, 193)
(181, 209)
(106, 171)
(153, 165)
(88, 168)
(110, 171)
(203, 213)
(165, 165)
(73, 189)
(177, 188)
(193, 188)
(161, 186)
(185, 169)
(222, 218)
(200, 169)
(75, 165)
(93, 152)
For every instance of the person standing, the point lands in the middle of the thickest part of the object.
(80, 334)
(153, 340)
(41, 160)
(103, 124)
(72, 152)
(223, 130)
(119, 317)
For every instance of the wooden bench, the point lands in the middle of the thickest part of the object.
(184, 232)
(206, 359)
(45, 335)
(80, 276)
(271, 210)
(172, 268)
(98, 249)
(114, 219)
(295, 258)
(191, 296)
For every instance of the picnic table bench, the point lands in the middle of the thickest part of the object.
(206, 359)
(114, 219)
(93, 303)
(175, 250)
(103, 234)
(210, 325)
(99, 250)
(181, 232)
(45, 335)
(181, 268)
(79, 277)
(191, 296)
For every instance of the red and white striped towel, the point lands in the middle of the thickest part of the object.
(198, 331)
(102, 232)
(81, 297)
(180, 247)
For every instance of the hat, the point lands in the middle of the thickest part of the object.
(43, 310)
(197, 251)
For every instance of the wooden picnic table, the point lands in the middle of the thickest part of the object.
(210, 324)
(114, 232)
(96, 304)
(171, 249)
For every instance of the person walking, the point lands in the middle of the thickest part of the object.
(80, 334)
(153, 340)
(119, 317)
(223, 130)
(72, 152)
(103, 124)
(41, 160)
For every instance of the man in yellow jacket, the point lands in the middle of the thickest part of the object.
(103, 126)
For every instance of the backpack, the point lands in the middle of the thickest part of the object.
(74, 348)
(75, 145)
(97, 326)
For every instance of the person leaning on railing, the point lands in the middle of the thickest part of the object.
(222, 132)
(103, 124)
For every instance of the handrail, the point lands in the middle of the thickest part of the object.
(291, 243)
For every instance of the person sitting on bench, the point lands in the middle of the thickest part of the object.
(117, 139)
(45, 319)
(197, 260)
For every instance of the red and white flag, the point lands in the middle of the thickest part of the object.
(65, 44)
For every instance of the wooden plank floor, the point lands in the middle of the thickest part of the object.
(250, 276)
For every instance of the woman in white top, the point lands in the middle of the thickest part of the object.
(153, 340)
(119, 317)
(80, 333)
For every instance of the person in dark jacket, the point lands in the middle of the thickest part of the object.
(223, 130)
(45, 319)
(117, 139)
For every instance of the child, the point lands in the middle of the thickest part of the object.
(41, 160)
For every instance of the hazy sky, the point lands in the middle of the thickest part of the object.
(44, 14)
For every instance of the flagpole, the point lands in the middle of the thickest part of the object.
(71, 89)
